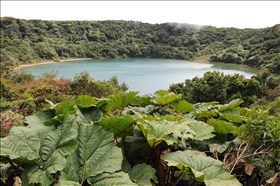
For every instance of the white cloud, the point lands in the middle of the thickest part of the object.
(241, 14)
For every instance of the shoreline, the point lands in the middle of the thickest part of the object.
(49, 62)
(199, 60)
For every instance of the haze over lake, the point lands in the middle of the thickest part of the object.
(143, 75)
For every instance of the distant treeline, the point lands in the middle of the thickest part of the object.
(27, 41)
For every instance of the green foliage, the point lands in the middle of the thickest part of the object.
(84, 84)
(28, 41)
(197, 166)
(96, 154)
(275, 107)
(27, 94)
(6, 93)
(120, 101)
(47, 150)
(142, 174)
(119, 178)
(215, 86)
(231, 105)
(222, 127)
(8, 120)
(262, 131)
(158, 139)
(121, 126)
(201, 130)
(23, 143)
(85, 101)
(182, 106)
(165, 97)
(156, 132)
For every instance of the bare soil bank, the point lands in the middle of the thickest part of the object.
(49, 62)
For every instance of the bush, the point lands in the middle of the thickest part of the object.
(9, 119)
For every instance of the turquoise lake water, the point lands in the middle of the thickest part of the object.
(143, 75)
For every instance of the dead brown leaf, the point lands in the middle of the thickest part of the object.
(273, 180)
(17, 181)
(249, 169)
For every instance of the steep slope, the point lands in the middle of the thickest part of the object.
(27, 41)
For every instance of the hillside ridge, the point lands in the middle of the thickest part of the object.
(29, 41)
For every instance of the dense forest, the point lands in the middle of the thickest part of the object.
(216, 86)
(215, 130)
(27, 41)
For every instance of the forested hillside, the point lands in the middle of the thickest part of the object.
(214, 130)
(29, 41)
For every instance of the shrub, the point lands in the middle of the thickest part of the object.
(9, 119)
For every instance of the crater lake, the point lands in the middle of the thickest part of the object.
(143, 75)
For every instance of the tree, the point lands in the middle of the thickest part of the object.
(26, 41)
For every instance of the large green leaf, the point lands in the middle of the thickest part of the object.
(167, 98)
(161, 92)
(90, 115)
(183, 133)
(202, 130)
(125, 164)
(142, 174)
(141, 101)
(204, 114)
(205, 110)
(215, 145)
(53, 149)
(139, 110)
(96, 154)
(171, 118)
(182, 106)
(54, 121)
(85, 101)
(120, 101)
(218, 176)
(61, 141)
(158, 117)
(232, 115)
(232, 104)
(156, 132)
(201, 168)
(63, 108)
(104, 106)
(104, 179)
(64, 180)
(40, 173)
(37, 118)
(224, 132)
(40, 146)
(102, 103)
(49, 112)
(121, 126)
(116, 179)
(23, 143)
(222, 127)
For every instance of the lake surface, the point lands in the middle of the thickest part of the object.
(143, 75)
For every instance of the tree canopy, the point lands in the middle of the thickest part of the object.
(28, 41)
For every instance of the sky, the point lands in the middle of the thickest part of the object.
(239, 14)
